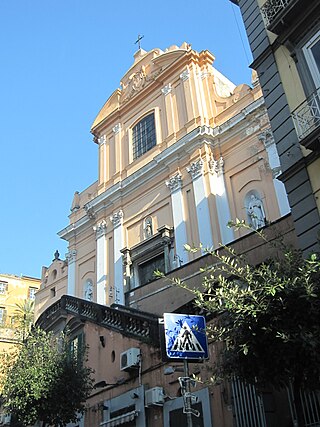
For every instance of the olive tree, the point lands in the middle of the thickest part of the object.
(265, 316)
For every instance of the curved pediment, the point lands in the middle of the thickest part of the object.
(145, 69)
(111, 105)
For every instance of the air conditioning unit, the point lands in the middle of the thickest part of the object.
(130, 359)
(154, 396)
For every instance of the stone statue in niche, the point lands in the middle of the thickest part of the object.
(88, 291)
(256, 212)
(148, 231)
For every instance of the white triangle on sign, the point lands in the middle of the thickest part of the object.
(187, 341)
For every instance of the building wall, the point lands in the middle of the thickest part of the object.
(287, 81)
(214, 151)
(14, 290)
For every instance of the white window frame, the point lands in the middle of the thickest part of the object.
(314, 70)
(2, 315)
(3, 288)
(32, 293)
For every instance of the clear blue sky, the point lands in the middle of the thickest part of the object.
(60, 61)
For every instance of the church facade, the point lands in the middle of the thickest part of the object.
(182, 151)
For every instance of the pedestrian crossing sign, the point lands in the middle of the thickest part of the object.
(185, 336)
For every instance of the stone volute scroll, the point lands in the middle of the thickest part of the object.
(196, 168)
(100, 228)
(71, 256)
(174, 183)
(117, 218)
(216, 166)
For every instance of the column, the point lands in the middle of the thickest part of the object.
(170, 118)
(100, 230)
(117, 147)
(102, 159)
(202, 206)
(180, 232)
(71, 257)
(218, 188)
(117, 221)
(267, 138)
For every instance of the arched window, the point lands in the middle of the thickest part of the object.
(143, 136)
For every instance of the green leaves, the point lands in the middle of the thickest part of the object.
(267, 316)
(44, 383)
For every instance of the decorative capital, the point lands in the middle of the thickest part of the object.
(204, 74)
(116, 218)
(102, 140)
(174, 183)
(216, 166)
(90, 211)
(184, 76)
(100, 228)
(195, 169)
(71, 256)
(166, 89)
(266, 137)
(117, 128)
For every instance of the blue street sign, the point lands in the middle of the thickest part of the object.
(185, 336)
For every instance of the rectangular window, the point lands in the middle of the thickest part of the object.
(3, 313)
(76, 348)
(143, 136)
(3, 288)
(147, 269)
(311, 52)
(32, 293)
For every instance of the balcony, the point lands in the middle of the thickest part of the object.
(306, 119)
(280, 14)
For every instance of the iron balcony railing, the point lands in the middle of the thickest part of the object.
(307, 116)
(272, 8)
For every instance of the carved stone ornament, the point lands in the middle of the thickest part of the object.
(195, 169)
(216, 166)
(90, 211)
(166, 89)
(117, 128)
(204, 74)
(266, 137)
(136, 81)
(100, 229)
(174, 183)
(116, 218)
(71, 256)
(102, 140)
(184, 76)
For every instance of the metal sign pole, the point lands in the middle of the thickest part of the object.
(187, 394)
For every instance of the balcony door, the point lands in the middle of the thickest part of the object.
(311, 52)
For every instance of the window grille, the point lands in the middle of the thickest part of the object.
(143, 136)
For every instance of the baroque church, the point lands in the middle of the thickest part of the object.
(182, 151)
